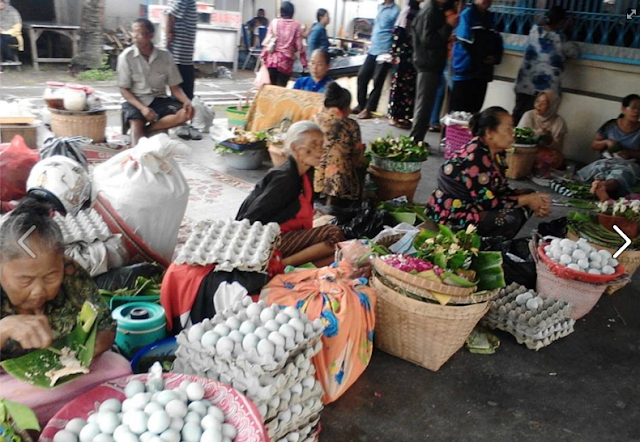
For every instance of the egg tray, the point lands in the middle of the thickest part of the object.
(231, 245)
(530, 342)
(296, 399)
(277, 428)
(309, 433)
(87, 226)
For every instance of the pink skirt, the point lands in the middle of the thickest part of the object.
(46, 403)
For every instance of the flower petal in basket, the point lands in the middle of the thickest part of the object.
(567, 273)
(417, 281)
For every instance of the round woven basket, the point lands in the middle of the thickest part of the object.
(73, 124)
(396, 166)
(424, 333)
(520, 161)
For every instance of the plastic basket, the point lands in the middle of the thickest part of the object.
(456, 137)
(237, 117)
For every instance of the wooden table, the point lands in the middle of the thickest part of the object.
(35, 32)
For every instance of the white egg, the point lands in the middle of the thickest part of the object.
(271, 325)
(297, 324)
(267, 315)
(532, 304)
(222, 330)
(250, 341)
(182, 394)
(566, 242)
(195, 333)
(191, 432)
(555, 241)
(547, 249)
(155, 439)
(236, 336)
(595, 265)
(595, 256)
(575, 267)
(210, 422)
(111, 405)
(288, 331)
(75, 425)
(285, 416)
(229, 431)
(152, 407)
(583, 263)
(140, 400)
(296, 388)
(93, 418)
(292, 312)
(309, 382)
(594, 271)
(66, 436)
(195, 391)
(210, 339)
(556, 254)
(216, 412)
(233, 323)
(613, 262)
(584, 246)
(103, 438)
(138, 422)
(127, 437)
(224, 346)
(211, 436)
(176, 424)
(266, 348)
(247, 327)
(192, 416)
(318, 324)
(277, 339)
(522, 298)
(261, 332)
(176, 408)
(89, 432)
(567, 250)
(166, 396)
(184, 385)
(126, 405)
(146, 437)
(283, 318)
(253, 311)
(606, 255)
(121, 430)
(199, 407)
(108, 421)
(578, 254)
(608, 270)
(170, 435)
(159, 421)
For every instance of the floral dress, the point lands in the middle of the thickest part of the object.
(341, 170)
(403, 82)
(472, 189)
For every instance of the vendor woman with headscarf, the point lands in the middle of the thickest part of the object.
(550, 127)
(285, 195)
(41, 294)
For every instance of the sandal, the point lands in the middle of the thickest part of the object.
(401, 124)
(436, 129)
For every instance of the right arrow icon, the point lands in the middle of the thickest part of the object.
(627, 241)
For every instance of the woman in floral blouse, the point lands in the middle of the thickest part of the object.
(341, 171)
(472, 187)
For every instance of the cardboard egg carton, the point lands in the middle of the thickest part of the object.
(298, 394)
(231, 245)
(87, 226)
(295, 418)
(309, 433)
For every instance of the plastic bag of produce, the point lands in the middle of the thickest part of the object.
(147, 190)
(16, 162)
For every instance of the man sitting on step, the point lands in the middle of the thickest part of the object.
(144, 73)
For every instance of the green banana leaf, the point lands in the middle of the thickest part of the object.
(404, 217)
(21, 415)
(488, 267)
(422, 237)
(32, 368)
(451, 278)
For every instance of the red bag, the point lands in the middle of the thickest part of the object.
(16, 162)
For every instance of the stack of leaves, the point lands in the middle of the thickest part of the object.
(526, 135)
(587, 227)
(404, 213)
(143, 287)
(401, 148)
(15, 420)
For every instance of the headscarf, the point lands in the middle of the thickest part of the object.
(549, 121)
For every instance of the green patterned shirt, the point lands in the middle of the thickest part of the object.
(62, 312)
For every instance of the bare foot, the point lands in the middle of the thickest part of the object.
(599, 189)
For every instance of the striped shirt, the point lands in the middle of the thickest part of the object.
(184, 30)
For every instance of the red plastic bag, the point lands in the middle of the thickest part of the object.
(16, 162)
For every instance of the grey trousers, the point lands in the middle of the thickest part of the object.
(426, 87)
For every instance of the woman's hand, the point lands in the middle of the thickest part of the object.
(30, 331)
(539, 203)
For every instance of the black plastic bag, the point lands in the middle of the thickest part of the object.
(557, 228)
(125, 277)
(367, 222)
(523, 273)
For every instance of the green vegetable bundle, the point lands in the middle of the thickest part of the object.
(15, 420)
(402, 148)
(587, 227)
(525, 135)
(142, 287)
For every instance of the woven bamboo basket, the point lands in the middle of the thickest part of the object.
(424, 333)
(630, 259)
(74, 124)
(520, 161)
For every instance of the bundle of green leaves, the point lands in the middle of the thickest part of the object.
(401, 148)
(525, 135)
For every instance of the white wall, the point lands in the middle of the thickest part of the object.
(121, 12)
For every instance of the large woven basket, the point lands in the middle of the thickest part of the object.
(630, 259)
(75, 124)
(520, 161)
(424, 333)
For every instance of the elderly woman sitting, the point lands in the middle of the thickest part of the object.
(618, 140)
(285, 196)
(472, 188)
(41, 296)
(551, 128)
(318, 68)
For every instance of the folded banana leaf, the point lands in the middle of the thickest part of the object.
(33, 367)
(488, 267)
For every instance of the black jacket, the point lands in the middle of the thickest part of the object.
(430, 34)
(276, 197)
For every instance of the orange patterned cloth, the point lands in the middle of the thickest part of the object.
(274, 104)
(346, 307)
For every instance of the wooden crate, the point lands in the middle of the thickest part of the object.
(28, 131)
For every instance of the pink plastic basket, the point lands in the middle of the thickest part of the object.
(456, 137)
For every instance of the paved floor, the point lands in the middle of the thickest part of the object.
(582, 388)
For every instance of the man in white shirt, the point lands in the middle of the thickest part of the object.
(144, 73)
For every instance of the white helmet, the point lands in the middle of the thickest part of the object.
(61, 181)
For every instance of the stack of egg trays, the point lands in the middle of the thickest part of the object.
(87, 226)
(231, 245)
(309, 433)
(536, 328)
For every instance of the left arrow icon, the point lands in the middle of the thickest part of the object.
(23, 245)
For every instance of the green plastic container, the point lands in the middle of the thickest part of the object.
(139, 324)
(237, 117)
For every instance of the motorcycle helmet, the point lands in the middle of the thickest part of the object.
(62, 182)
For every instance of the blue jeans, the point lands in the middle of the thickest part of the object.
(445, 82)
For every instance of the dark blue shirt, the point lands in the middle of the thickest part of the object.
(317, 39)
(307, 84)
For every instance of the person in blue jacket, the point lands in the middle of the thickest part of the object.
(318, 80)
(317, 38)
(478, 48)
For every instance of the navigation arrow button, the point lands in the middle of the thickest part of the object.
(627, 241)
(24, 246)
